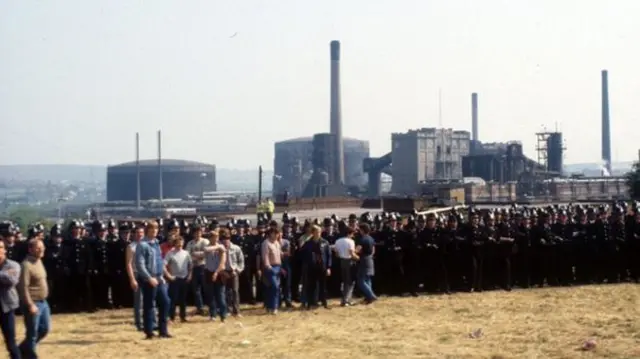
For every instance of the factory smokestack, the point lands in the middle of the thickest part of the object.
(137, 170)
(160, 166)
(336, 114)
(474, 116)
(606, 122)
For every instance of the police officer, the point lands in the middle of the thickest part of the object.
(244, 239)
(121, 293)
(523, 257)
(54, 264)
(430, 241)
(100, 280)
(16, 250)
(78, 262)
(393, 250)
(477, 238)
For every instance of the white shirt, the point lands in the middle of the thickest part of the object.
(179, 263)
(344, 246)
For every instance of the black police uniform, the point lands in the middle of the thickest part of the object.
(121, 293)
(78, 261)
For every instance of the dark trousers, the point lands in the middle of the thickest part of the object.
(285, 281)
(505, 273)
(246, 283)
(477, 269)
(522, 266)
(296, 278)
(197, 286)
(159, 296)
(178, 295)
(546, 265)
(121, 293)
(81, 294)
(8, 325)
(100, 286)
(316, 278)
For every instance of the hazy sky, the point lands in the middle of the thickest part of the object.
(79, 78)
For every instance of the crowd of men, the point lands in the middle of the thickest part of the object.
(95, 265)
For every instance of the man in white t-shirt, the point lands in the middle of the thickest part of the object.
(345, 249)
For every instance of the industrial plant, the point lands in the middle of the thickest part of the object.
(423, 162)
(442, 164)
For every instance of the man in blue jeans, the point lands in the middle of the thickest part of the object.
(9, 302)
(150, 272)
(366, 251)
(33, 291)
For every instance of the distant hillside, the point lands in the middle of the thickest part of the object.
(228, 179)
(55, 173)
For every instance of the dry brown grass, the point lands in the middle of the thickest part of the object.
(541, 323)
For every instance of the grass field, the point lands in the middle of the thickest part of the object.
(540, 323)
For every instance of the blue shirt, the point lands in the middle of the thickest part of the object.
(158, 261)
(148, 260)
(365, 266)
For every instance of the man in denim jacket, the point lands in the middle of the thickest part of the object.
(150, 276)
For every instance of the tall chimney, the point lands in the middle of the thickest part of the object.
(137, 170)
(474, 116)
(606, 122)
(336, 114)
(160, 166)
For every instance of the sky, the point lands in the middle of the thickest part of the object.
(79, 78)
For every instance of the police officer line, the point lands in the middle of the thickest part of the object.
(345, 212)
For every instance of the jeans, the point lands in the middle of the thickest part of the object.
(178, 294)
(286, 286)
(197, 286)
(346, 271)
(216, 296)
(272, 291)
(364, 284)
(37, 327)
(233, 294)
(159, 296)
(137, 310)
(8, 325)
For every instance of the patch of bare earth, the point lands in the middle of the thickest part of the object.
(540, 323)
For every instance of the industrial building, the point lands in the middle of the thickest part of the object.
(427, 154)
(501, 162)
(159, 180)
(294, 162)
